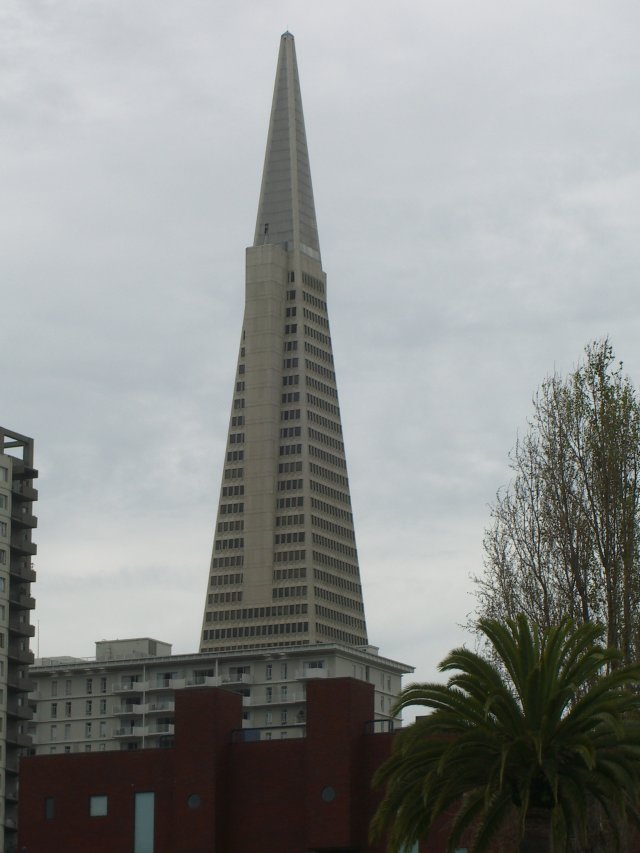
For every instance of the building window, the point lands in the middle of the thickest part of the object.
(283, 693)
(88, 707)
(283, 670)
(54, 710)
(98, 806)
(87, 730)
(103, 706)
(269, 694)
(144, 820)
(283, 718)
(4, 473)
(4, 503)
(54, 732)
(67, 709)
(89, 685)
(3, 557)
(54, 688)
(67, 687)
(103, 685)
(269, 672)
(103, 728)
(3, 528)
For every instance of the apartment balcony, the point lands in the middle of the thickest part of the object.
(21, 712)
(24, 685)
(237, 678)
(131, 732)
(168, 684)
(162, 729)
(23, 573)
(20, 625)
(23, 471)
(131, 687)
(22, 601)
(21, 517)
(16, 738)
(21, 656)
(22, 545)
(11, 764)
(311, 673)
(132, 709)
(289, 699)
(206, 681)
(161, 707)
(11, 794)
(22, 490)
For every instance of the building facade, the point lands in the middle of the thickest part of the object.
(216, 790)
(125, 699)
(17, 549)
(284, 567)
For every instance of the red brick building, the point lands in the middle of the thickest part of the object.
(216, 791)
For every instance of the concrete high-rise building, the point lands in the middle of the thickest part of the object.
(16, 575)
(284, 569)
(284, 602)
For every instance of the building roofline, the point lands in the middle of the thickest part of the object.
(58, 664)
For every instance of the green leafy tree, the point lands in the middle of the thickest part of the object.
(531, 743)
(565, 538)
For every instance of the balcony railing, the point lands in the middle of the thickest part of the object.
(23, 712)
(22, 601)
(160, 707)
(236, 678)
(22, 545)
(23, 573)
(21, 517)
(131, 731)
(137, 710)
(131, 687)
(311, 673)
(21, 626)
(279, 699)
(204, 681)
(163, 729)
(168, 684)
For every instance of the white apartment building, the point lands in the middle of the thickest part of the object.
(124, 698)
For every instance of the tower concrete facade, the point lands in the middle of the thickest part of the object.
(284, 568)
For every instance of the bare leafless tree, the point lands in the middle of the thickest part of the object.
(564, 539)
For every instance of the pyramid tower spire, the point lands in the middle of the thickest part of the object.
(286, 212)
(284, 568)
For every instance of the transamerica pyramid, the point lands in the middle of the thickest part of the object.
(284, 569)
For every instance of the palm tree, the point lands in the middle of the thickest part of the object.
(536, 742)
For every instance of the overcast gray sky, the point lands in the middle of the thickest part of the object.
(476, 168)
